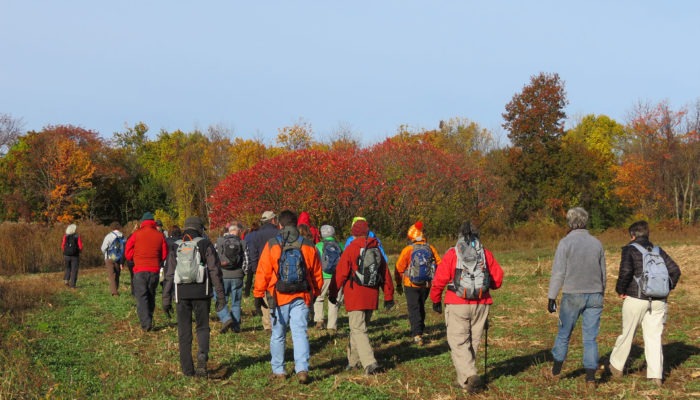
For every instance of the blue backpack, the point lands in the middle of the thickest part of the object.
(421, 270)
(331, 256)
(291, 272)
(115, 250)
(654, 281)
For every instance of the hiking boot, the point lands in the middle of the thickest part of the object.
(373, 369)
(614, 372)
(303, 377)
(418, 340)
(201, 368)
(320, 325)
(656, 381)
(331, 332)
(474, 384)
(278, 377)
(227, 326)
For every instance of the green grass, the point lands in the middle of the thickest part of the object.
(87, 344)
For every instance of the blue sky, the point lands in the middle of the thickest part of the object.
(369, 66)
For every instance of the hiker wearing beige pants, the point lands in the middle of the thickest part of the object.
(465, 326)
(360, 349)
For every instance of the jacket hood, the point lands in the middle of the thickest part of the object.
(304, 219)
(289, 234)
(148, 223)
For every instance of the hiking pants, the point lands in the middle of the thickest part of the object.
(415, 302)
(635, 312)
(185, 308)
(113, 272)
(590, 307)
(360, 349)
(332, 308)
(145, 285)
(71, 274)
(465, 325)
(292, 315)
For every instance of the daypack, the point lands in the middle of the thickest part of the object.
(115, 250)
(331, 255)
(231, 253)
(368, 263)
(189, 267)
(421, 270)
(472, 278)
(70, 248)
(291, 271)
(654, 281)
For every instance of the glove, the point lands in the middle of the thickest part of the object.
(333, 300)
(552, 306)
(259, 303)
(389, 304)
(437, 307)
(399, 289)
(168, 309)
(220, 303)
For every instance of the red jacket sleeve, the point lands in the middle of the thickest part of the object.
(63, 243)
(388, 283)
(129, 249)
(494, 269)
(444, 274)
(164, 250)
(80, 243)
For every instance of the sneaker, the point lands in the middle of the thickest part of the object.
(614, 372)
(418, 340)
(373, 369)
(351, 367)
(227, 326)
(320, 325)
(474, 384)
(201, 368)
(303, 377)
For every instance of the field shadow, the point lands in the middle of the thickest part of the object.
(516, 365)
(675, 355)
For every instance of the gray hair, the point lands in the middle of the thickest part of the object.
(577, 218)
(71, 229)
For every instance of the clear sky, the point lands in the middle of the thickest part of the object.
(253, 67)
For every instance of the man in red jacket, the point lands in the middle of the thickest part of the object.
(361, 297)
(147, 249)
(466, 309)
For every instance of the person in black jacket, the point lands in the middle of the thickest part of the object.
(194, 298)
(638, 309)
(256, 241)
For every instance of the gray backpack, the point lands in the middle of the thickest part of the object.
(654, 281)
(472, 278)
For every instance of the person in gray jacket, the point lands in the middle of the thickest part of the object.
(578, 271)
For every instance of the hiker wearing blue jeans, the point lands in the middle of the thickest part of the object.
(233, 289)
(578, 271)
(293, 315)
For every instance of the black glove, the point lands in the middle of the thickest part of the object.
(437, 307)
(389, 304)
(552, 306)
(259, 302)
(220, 303)
(167, 309)
(333, 300)
(399, 289)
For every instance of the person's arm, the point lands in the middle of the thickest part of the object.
(556, 281)
(626, 272)
(388, 285)
(164, 249)
(80, 244)
(495, 270)
(264, 273)
(129, 250)
(674, 271)
(443, 275)
(215, 274)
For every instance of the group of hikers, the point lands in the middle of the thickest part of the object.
(293, 269)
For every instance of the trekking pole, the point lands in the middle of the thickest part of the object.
(486, 351)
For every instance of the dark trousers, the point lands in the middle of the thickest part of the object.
(71, 274)
(415, 302)
(144, 286)
(185, 308)
(248, 284)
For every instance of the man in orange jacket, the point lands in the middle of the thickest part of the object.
(290, 275)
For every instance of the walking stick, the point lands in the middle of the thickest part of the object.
(486, 351)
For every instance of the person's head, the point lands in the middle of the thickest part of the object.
(577, 218)
(468, 231)
(147, 216)
(115, 226)
(159, 225)
(360, 228)
(70, 229)
(194, 223)
(234, 229)
(415, 232)
(327, 231)
(287, 218)
(268, 217)
(175, 231)
(639, 229)
(305, 231)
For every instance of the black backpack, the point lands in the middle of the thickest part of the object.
(71, 246)
(231, 254)
(368, 267)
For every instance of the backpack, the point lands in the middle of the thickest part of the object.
(330, 256)
(368, 263)
(654, 281)
(115, 250)
(291, 271)
(189, 267)
(70, 248)
(421, 270)
(472, 278)
(231, 253)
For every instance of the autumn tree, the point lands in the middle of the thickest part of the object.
(534, 119)
(296, 137)
(10, 130)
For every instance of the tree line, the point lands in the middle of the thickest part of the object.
(644, 168)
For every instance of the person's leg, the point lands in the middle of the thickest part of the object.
(590, 327)
(277, 339)
(422, 297)
(359, 340)
(298, 314)
(266, 323)
(319, 303)
(236, 298)
(632, 313)
(201, 315)
(569, 311)
(653, 328)
(75, 263)
(412, 304)
(184, 310)
(152, 287)
(459, 339)
(248, 283)
(333, 315)
(66, 270)
(140, 289)
(225, 313)
(117, 275)
(111, 276)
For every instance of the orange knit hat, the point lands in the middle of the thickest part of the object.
(415, 232)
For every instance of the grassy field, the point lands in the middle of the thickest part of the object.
(60, 343)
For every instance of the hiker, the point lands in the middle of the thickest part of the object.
(415, 269)
(113, 249)
(638, 307)
(233, 256)
(256, 242)
(289, 275)
(578, 270)
(71, 246)
(360, 285)
(305, 219)
(193, 296)
(468, 271)
(370, 234)
(147, 249)
(329, 250)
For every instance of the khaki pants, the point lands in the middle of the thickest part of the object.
(465, 325)
(360, 349)
(266, 322)
(635, 312)
(332, 308)
(113, 272)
